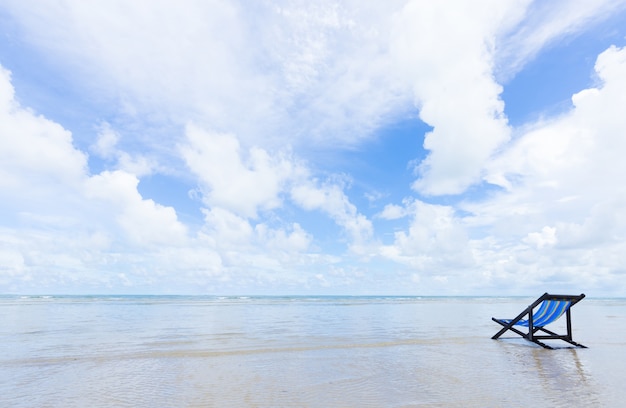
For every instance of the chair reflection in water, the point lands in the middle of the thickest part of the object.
(550, 308)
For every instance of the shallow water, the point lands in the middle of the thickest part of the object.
(156, 351)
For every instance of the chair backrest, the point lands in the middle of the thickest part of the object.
(549, 311)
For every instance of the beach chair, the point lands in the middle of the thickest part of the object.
(550, 308)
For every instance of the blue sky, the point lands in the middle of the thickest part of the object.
(346, 147)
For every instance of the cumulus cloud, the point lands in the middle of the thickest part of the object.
(56, 213)
(104, 225)
(242, 245)
(107, 147)
(33, 148)
(144, 221)
(295, 239)
(241, 181)
(546, 237)
(246, 99)
(557, 222)
(580, 148)
(38, 158)
(310, 73)
(392, 212)
(238, 184)
(562, 204)
(40, 170)
(454, 88)
(436, 240)
(297, 72)
(332, 200)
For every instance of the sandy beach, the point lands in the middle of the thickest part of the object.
(300, 352)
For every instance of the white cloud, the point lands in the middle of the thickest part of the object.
(103, 233)
(12, 262)
(296, 72)
(144, 221)
(32, 148)
(261, 84)
(558, 223)
(238, 184)
(547, 237)
(107, 147)
(242, 182)
(63, 225)
(331, 199)
(294, 240)
(581, 148)
(561, 213)
(227, 229)
(392, 212)
(314, 73)
(257, 255)
(446, 52)
(106, 144)
(546, 22)
(436, 240)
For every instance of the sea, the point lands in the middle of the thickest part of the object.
(301, 351)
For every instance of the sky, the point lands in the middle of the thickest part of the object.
(403, 147)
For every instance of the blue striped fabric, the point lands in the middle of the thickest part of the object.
(548, 311)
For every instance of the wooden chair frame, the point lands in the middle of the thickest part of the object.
(532, 329)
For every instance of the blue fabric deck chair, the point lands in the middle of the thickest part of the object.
(550, 308)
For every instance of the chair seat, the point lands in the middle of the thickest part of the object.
(548, 312)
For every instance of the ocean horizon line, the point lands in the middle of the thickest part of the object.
(276, 296)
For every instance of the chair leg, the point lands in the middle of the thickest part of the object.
(568, 315)
(507, 326)
(567, 338)
(530, 336)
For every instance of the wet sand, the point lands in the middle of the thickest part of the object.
(300, 352)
